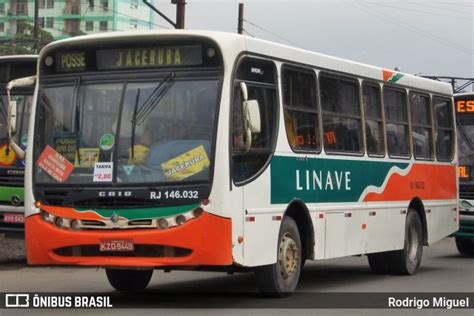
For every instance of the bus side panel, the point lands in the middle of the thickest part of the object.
(261, 239)
(441, 221)
(319, 224)
(356, 232)
(335, 235)
(261, 223)
(386, 226)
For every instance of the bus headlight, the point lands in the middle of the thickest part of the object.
(163, 223)
(180, 220)
(58, 221)
(74, 224)
(46, 216)
(197, 212)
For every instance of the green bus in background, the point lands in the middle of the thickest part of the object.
(464, 103)
(12, 167)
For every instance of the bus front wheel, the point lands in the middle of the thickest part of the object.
(281, 278)
(128, 280)
(465, 245)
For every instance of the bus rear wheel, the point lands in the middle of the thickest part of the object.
(281, 278)
(128, 280)
(405, 261)
(465, 245)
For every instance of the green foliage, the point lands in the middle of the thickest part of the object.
(23, 42)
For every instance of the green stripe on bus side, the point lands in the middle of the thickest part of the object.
(6, 193)
(143, 213)
(321, 180)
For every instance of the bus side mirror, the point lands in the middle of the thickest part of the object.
(250, 116)
(12, 111)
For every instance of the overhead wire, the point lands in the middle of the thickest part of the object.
(384, 5)
(426, 34)
(272, 33)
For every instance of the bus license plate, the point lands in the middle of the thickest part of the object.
(13, 218)
(116, 245)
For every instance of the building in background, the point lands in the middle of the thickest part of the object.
(65, 18)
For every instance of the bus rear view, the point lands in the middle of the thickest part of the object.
(464, 103)
(11, 166)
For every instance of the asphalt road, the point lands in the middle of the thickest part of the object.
(442, 270)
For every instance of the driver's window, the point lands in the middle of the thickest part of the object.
(259, 77)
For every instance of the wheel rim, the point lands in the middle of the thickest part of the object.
(288, 257)
(412, 243)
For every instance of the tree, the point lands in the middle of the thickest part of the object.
(23, 42)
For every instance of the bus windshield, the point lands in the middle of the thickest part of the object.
(23, 103)
(147, 131)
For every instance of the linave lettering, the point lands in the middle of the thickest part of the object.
(311, 180)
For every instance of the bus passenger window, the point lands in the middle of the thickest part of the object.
(396, 117)
(300, 109)
(373, 120)
(341, 114)
(259, 77)
(422, 134)
(444, 129)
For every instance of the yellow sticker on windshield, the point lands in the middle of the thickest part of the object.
(87, 157)
(187, 164)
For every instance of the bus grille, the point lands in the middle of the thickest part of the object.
(145, 251)
(466, 191)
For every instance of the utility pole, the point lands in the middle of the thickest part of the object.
(180, 6)
(36, 28)
(180, 17)
(240, 27)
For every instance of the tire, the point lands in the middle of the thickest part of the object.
(407, 260)
(281, 278)
(379, 263)
(128, 280)
(465, 245)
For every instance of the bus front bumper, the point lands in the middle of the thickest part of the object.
(466, 226)
(203, 241)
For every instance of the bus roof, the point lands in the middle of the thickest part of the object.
(237, 44)
(462, 94)
(18, 57)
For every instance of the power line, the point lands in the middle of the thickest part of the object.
(415, 10)
(272, 33)
(410, 27)
(442, 8)
(248, 32)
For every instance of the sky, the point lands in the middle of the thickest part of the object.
(427, 37)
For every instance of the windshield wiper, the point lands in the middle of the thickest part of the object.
(152, 101)
(140, 114)
(134, 124)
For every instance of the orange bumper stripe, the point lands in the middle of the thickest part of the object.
(208, 236)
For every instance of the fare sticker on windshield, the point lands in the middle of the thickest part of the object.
(103, 171)
(55, 164)
(187, 164)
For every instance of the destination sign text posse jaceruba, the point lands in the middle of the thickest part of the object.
(129, 58)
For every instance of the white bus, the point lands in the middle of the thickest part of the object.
(203, 150)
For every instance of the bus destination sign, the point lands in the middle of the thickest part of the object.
(465, 106)
(71, 61)
(143, 57)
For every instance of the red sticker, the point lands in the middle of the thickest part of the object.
(54, 164)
